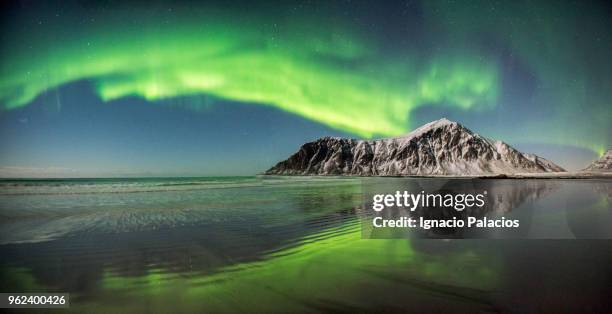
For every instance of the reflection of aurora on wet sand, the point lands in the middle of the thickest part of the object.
(339, 272)
(332, 270)
(295, 244)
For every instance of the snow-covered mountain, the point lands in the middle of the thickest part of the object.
(603, 164)
(440, 147)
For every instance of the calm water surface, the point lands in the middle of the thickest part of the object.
(295, 245)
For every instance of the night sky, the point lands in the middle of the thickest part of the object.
(157, 88)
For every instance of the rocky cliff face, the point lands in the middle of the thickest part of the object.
(441, 147)
(603, 164)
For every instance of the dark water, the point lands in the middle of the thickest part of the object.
(295, 245)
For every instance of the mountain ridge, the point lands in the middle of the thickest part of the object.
(603, 164)
(441, 147)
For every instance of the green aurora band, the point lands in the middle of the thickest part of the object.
(336, 80)
(321, 68)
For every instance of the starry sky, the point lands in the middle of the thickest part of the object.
(156, 88)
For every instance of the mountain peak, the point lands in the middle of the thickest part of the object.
(433, 125)
(437, 123)
(442, 121)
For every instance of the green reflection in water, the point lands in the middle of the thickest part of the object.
(332, 270)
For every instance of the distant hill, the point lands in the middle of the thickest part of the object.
(603, 164)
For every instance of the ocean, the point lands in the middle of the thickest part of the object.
(297, 244)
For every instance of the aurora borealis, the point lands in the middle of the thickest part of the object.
(535, 73)
(334, 78)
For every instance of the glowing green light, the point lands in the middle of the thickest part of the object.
(312, 270)
(336, 80)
